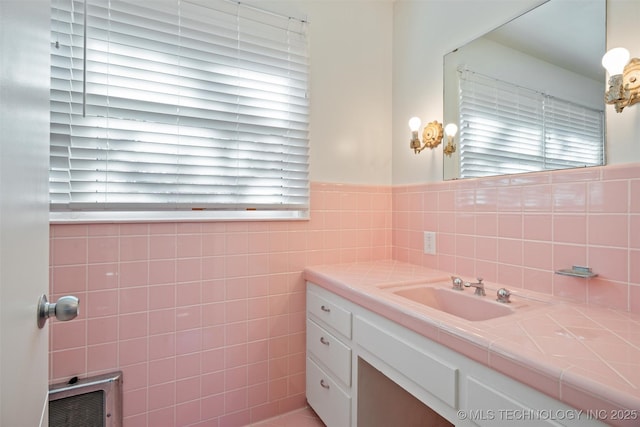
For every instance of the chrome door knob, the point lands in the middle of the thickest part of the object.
(65, 309)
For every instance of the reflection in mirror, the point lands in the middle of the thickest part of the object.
(528, 96)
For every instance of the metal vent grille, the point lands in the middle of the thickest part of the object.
(89, 402)
(83, 410)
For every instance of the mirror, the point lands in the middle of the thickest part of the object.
(554, 51)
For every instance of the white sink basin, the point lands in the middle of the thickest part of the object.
(458, 303)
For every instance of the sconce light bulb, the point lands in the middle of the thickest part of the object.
(414, 124)
(615, 60)
(451, 129)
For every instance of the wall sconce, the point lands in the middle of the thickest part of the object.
(450, 130)
(431, 135)
(624, 78)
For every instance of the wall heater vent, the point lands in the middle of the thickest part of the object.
(89, 402)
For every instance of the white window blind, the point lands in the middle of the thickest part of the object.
(177, 105)
(507, 129)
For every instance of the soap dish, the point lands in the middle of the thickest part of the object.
(577, 271)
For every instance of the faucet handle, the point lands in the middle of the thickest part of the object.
(503, 295)
(457, 283)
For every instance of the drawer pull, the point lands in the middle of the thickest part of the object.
(325, 309)
(324, 385)
(324, 341)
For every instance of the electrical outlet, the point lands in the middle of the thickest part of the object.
(430, 242)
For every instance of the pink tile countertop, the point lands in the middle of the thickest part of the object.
(587, 357)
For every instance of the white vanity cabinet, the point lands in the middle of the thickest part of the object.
(329, 372)
(366, 370)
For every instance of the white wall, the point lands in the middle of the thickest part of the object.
(351, 46)
(426, 30)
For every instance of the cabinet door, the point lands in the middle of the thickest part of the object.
(326, 397)
(489, 407)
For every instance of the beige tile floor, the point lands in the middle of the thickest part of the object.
(300, 418)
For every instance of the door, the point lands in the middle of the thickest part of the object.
(24, 229)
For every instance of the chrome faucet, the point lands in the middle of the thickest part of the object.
(479, 287)
(456, 283)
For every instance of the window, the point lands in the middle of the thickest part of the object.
(507, 129)
(177, 106)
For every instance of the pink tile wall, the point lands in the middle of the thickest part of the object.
(206, 320)
(518, 230)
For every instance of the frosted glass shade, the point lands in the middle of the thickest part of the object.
(414, 124)
(451, 129)
(615, 60)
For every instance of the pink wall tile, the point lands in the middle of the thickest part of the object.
(102, 249)
(68, 363)
(570, 197)
(162, 246)
(634, 298)
(198, 314)
(134, 273)
(537, 280)
(544, 222)
(565, 256)
(607, 293)
(510, 225)
(101, 303)
(570, 228)
(162, 396)
(608, 230)
(538, 255)
(487, 224)
(537, 227)
(537, 198)
(68, 335)
(609, 263)
(162, 371)
(102, 330)
(69, 279)
(132, 325)
(102, 357)
(67, 251)
(133, 300)
(609, 196)
(571, 288)
(510, 251)
(132, 351)
(207, 319)
(510, 199)
(133, 248)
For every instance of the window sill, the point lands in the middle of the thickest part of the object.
(173, 216)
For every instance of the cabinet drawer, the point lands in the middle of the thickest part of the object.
(330, 313)
(433, 375)
(332, 353)
(328, 400)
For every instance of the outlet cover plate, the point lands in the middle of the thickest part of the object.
(430, 242)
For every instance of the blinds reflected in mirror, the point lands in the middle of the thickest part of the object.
(508, 129)
(188, 106)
